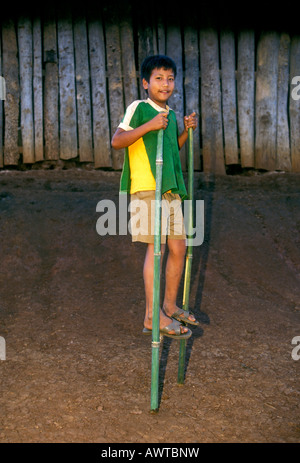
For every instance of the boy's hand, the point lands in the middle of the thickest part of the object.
(159, 122)
(190, 121)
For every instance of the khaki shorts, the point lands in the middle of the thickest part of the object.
(142, 212)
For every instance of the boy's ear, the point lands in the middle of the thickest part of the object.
(145, 84)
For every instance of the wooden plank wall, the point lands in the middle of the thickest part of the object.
(70, 74)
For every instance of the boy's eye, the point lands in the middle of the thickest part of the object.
(160, 78)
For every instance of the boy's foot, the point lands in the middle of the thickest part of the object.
(165, 323)
(182, 316)
(173, 330)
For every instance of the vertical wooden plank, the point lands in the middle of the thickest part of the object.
(25, 62)
(245, 94)
(101, 135)
(294, 103)
(283, 159)
(50, 87)
(38, 90)
(174, 51)
(191, 83)
(227, 48)
(66, 73)
(128, 61)
(115, 84)
(145, 40)
(11, 104)
(84, 112)
(266, 101)
(161, 36)
(2, 98)
(212, 131)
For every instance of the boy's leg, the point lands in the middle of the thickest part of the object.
(148, 281)
(174, 269)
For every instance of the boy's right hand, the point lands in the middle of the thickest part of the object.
(159, 122)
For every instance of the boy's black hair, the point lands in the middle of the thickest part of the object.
(156, 62)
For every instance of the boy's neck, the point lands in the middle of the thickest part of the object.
(162, 105)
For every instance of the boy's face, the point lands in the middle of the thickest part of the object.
(160, 86)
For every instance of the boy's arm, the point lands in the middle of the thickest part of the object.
(189, 122)
(123, 138)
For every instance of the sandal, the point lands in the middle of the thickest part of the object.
(183, 317)
(174, 326)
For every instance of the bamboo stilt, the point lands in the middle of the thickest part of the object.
(156, 276)
(189, 253)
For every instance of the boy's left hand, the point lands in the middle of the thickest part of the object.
(190, 121)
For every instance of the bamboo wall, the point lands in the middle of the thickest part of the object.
(70, 73)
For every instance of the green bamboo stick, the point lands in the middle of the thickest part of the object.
(189, 253)
(156, 276)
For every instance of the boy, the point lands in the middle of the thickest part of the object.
(138, 134)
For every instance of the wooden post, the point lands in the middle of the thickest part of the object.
(212, 132)
(66, 69)
(128, 61)
(145, 41)
(229, 97)
(84, 111)
(174, 51)
(191, 82)
(11, 104)
(2, 94)
(25, 62)
(294, 103)
(283, 158)
(101, 136)
(161, 36)
(50, 87)
(266, 101)
(115, 84)
(245, 94)
(38, 91)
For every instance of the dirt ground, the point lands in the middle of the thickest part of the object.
(77, 367)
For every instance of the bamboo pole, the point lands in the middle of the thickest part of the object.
(189, 253)
(156, 276)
